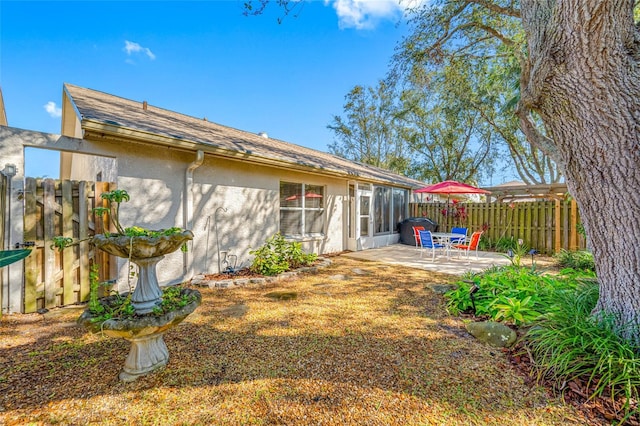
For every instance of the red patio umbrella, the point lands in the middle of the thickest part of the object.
(451, 187)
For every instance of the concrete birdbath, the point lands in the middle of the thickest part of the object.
(147, 317)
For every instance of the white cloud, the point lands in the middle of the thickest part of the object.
(133, 48)
(53, 110)
(365, 14)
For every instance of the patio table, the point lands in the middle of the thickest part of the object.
(447, 238)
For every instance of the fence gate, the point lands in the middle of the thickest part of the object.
(61, 207)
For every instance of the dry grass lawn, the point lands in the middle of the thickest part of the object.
(362, 343)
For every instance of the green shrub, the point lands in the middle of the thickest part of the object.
(580, 259)
(511, 294)
(485, 243)
(565, 340)
(570, 343)
(515, 310)
(278, 255)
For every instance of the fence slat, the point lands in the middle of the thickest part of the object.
(49, 215)
(83, 227)
(32, 266)
(573, 220)
(68, 280)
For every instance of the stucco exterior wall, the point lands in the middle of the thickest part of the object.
(88, 167)
(251, 196)
(156, 179)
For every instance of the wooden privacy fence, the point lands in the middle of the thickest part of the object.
(547, 226)
(52, 208)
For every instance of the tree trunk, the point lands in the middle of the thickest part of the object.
(582, 78)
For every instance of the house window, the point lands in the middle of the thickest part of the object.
(399, 207)
(382, 209)
(389, 207)
(301, 209)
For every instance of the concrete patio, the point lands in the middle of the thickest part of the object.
(402, 254)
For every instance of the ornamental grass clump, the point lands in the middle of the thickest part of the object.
(577, 259)
(570, 344)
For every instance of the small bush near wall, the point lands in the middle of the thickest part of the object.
(278, 255)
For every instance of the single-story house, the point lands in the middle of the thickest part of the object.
(233, 189)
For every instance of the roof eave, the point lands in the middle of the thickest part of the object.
(100, 130)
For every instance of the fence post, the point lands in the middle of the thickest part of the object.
(3, 215)
(32, 264)
(558, 234)
(573, 222)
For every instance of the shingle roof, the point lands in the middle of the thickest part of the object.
(121, 113)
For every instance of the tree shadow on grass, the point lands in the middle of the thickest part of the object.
(366, 342)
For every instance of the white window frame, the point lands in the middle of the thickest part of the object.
(391, 208)
(303, 209)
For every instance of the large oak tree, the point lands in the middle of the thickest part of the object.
(581, 76)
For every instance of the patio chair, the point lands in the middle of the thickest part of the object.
(473, 244)
(461, 231)
(426, 242)
(416, 235)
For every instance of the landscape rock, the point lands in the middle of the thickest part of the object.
(494, 333)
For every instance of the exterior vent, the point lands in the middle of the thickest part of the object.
(144, 105)
(264, 135)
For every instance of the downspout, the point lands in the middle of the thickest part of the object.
(187, 264)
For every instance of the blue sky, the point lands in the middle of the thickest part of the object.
(201, 58)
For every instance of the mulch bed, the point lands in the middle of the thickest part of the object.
(242, 273)
(574, 393)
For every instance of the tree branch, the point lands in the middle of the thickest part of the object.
(496, 34)
(492, 6)
(535, 137)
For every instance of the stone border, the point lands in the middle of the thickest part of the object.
(201, 281)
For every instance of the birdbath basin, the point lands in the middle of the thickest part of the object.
(145, 252)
